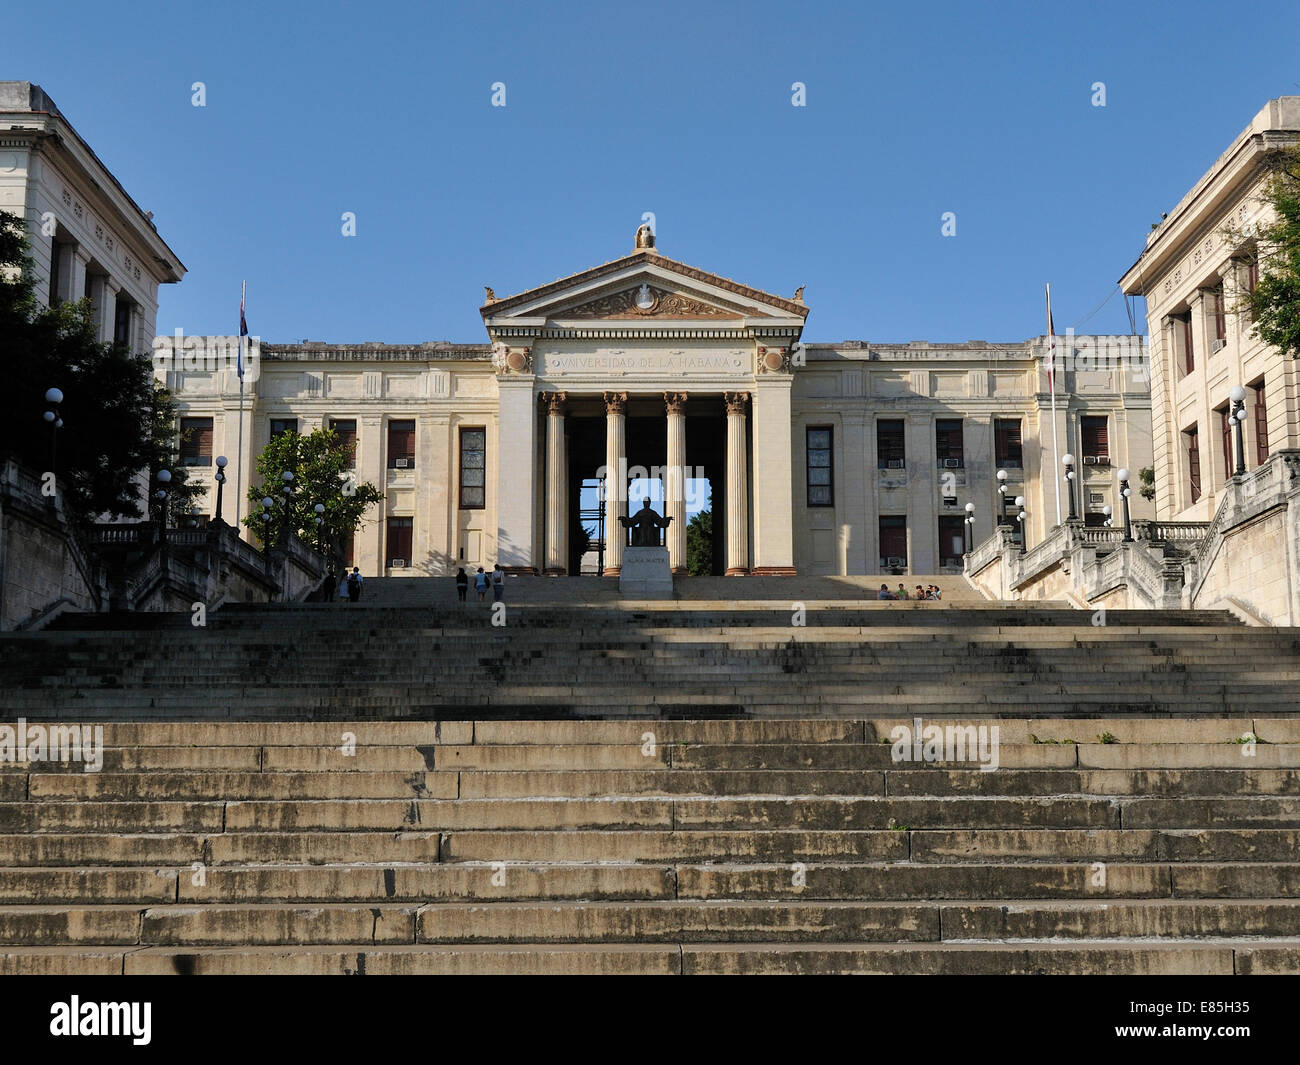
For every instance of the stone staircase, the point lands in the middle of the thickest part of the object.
(1119, 845)
(690, 658)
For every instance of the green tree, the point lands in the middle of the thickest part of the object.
(1275, 302)
(116, 423)
(1147, 477)
(699, 544)
(321, 466)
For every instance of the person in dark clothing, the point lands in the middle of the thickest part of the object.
(354, 584)
(331, 582)
(462, 583)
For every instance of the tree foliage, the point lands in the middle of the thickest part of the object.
(1275, 302)
(699, 544)
(321, 466)
(116, 423)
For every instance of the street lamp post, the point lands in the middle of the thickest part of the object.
(287, 478)
(164, 479)
(1238, 416)
(54, 397)
(221, 483)
(969, 527)
(1002, 497)
(1107, 511)
(1024, 526)
(1068, 462)
(1124, 493)
(267, 516)
(319, 508)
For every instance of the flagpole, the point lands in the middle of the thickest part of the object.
(1051, 384)
(243, 291)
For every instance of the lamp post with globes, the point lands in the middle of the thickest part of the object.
(1068, 462)
(221, 483)
(164, 479)
(54, 397)
(1024, 525)
(1106, 510)
(287, 478)
(1238, 416)
(968, 528)
(1002, 497)
(1124, 493)
(319, 510)
(267, 516)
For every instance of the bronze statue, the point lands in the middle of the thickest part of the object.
(645, 237)
(645, 525)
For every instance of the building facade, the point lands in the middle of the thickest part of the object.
(1198, 265)
(851, 458)
(89, 239)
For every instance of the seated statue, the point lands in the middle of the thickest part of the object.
(645, 525)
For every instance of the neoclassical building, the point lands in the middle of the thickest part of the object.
(849, 458)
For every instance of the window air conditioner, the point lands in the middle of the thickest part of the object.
(897, 562)
(397, 563)
(1090, 460)
(952, 464)
(895, 464)
(1218, 345)
(400, 463)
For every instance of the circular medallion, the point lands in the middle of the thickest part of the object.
(772, 360)
(516, 361)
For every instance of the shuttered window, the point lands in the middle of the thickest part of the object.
(196, 441)
(473, 463)
(821, 472)
(401, 445)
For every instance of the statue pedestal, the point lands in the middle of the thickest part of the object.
(645, 573)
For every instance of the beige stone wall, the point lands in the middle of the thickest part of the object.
(38, 569)
(1251, 567)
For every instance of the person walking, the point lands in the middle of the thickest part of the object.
(327, 587)
(354, 584)
(498, 584)
(462, 583)
(480, 583)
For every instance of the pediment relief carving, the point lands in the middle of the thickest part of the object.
(648, 301)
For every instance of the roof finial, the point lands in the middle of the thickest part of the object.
(645, 237)
(798, 293)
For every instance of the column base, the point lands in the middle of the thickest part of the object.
(737, 571)
(517, 571)
(555, 571)
(774, 571)
(680, 571)
(612, 571)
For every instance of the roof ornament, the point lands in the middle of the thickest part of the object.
(645, 237)
(798, 294)
(491, 296)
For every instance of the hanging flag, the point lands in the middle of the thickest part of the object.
(243, 332)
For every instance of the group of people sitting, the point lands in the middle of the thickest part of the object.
(930, 591)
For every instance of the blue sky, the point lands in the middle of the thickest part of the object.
(384, 109)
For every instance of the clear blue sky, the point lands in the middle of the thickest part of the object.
(683, 109)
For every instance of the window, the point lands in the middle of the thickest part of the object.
(891, 449)
(401, 445)
(122, 320)
(398, 551)
(893, 542)
(280, 426)
(1007, 447)
(347, 433)
(1183, 338)
(1193, 446)
(473, 456)
(1261, 423)
(1096, 439)
(56, 266)
(1219, 312)
(1225, 431)
(952, 539)
(1252, 273)
(821, 486)
(196, 441)
(948, 449)
(348, 549)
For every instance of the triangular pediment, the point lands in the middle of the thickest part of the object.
(643, 286)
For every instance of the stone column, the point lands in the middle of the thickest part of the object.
(773, 475)
(675, 480)
(516, 484)
(615, 475)
(737, 486)
(556, 511)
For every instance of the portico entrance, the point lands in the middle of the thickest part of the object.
(644, 368)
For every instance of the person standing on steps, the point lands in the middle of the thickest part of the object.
(902, 592)
(462, 583)
(498, 584)
(328, 585)
(354, 584)
(480, 583)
